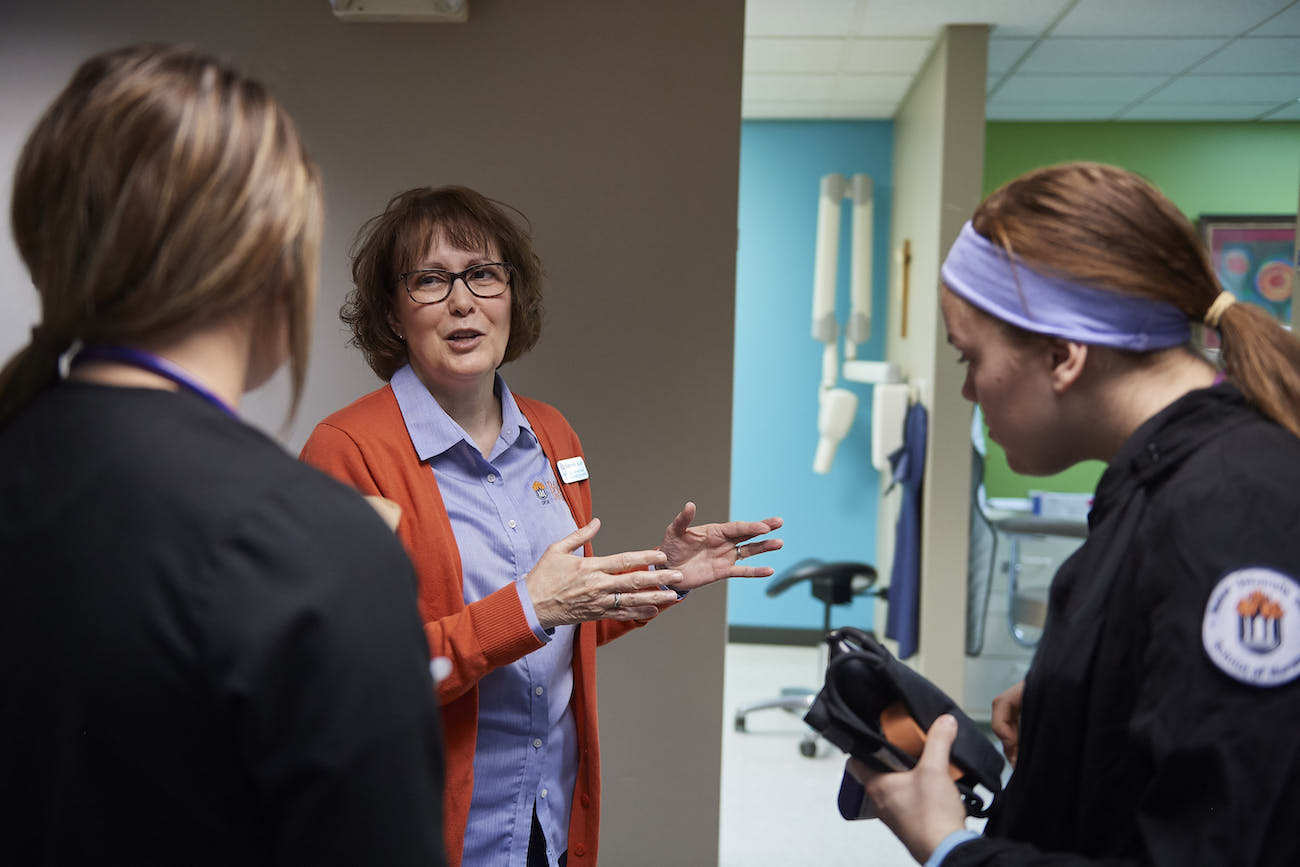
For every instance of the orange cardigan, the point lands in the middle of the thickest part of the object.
(366, 445)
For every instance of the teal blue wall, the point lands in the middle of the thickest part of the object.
(1203, 167)
(778, 364)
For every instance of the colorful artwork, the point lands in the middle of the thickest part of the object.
(1254, 259)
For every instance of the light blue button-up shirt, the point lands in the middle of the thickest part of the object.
(505, 510)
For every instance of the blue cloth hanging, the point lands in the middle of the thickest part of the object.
(902, 618)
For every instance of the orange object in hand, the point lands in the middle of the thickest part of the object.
(905, 733)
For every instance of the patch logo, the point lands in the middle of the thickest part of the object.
(1252, 626)
(539, 488)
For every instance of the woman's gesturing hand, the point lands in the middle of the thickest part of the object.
(567, 588)
(710, 552)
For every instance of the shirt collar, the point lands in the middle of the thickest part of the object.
(433, 432)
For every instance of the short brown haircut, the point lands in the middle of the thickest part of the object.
(395, 241)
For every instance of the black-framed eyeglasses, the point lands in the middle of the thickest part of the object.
(431, 285)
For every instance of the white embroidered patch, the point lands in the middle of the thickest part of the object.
(1252, 626)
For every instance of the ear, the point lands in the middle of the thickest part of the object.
(395, 326)
(1067, 359)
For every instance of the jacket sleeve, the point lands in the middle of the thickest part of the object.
(321, 671)
(1224, 751)
(476, 638)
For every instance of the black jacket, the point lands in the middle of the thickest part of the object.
(209, 653)
(1136, 747)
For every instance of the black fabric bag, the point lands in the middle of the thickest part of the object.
(876, 709)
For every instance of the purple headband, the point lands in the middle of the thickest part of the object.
(983, 273)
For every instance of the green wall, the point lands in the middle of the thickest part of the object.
(1204, 168)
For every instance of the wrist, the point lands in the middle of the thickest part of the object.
(947, 844)
(540, 617)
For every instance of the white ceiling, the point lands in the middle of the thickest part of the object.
(1048, 59)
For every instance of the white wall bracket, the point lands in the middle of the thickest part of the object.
(837, 406)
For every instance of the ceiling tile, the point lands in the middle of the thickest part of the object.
(927, 17)
(1055, 110)
(875, 88)
(783, 18)
(1077, 88)
(1270, 89)
(772, 54)
(763, 86)
(1286, 24)
(1119, 56)
(886, 55)
(1194, 111)
(1003, 53)
(1256, 56)
(806, 58)
(1166, 17)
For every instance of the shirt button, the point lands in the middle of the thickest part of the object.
(579, 850)
(537, 742)
(511, 524)
(544, 793)
(539, 690)
(492, 477)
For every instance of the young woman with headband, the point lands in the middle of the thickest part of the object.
(1156, 724)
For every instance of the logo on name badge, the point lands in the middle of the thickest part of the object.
(1252, 626)
(571, 470)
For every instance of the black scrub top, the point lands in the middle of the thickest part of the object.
(1161, 714)
(210, 654)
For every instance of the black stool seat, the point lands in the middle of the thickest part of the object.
(833, 584)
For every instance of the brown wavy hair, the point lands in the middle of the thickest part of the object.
(1109, 228)
(159, 191)
(396, 240)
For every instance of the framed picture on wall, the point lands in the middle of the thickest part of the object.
(1254, 257)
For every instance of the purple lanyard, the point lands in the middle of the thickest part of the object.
(154, 364)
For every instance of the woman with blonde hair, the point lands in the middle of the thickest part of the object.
(210, 653)
(1157, 723)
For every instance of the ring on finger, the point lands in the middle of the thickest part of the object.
(616, 595)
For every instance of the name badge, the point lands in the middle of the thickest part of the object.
(571, 470)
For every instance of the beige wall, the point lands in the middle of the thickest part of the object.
(938, 163)
(615, 127)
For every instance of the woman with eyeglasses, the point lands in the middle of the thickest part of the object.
(210, 654)
(496, 514)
